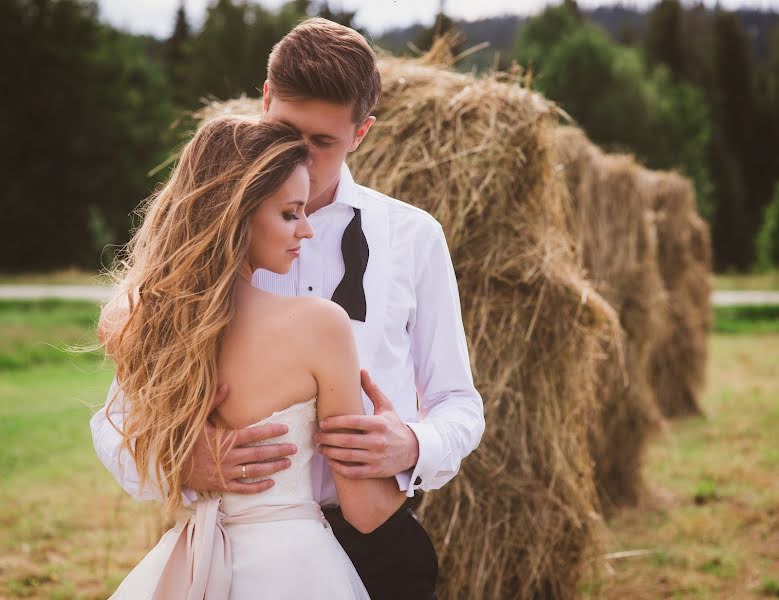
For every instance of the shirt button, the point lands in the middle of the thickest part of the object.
(418, 481)
(310, 289)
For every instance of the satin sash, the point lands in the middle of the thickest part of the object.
(200, 564)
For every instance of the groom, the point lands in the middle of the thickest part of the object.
(424, 414)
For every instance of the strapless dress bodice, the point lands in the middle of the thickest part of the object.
(292, 485)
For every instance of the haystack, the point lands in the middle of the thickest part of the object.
(612, 221)
(521, 519)
(684, 250)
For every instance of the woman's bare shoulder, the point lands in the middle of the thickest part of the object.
(309, 315)
(321, 317)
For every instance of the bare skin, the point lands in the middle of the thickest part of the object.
(377, 445)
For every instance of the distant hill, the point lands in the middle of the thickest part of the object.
(622, 24)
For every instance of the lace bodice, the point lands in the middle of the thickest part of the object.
(294, 484)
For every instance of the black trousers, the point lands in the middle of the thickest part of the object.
(397, 561)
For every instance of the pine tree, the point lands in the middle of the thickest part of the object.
(734, 71)
(663, 42)
(83, 123)
(734, 110)
(177, 56)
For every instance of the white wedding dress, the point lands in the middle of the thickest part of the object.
(275, 545)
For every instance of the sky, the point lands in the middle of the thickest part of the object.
(156, 16)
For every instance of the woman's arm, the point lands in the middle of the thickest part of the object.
(365, 503)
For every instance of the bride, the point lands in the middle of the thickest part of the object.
(188, 320)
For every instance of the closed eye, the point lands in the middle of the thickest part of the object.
(323, 142)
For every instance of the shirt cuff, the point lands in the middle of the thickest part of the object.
(431, 455)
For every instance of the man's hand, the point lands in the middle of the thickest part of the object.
(260, 461)
(379, 445)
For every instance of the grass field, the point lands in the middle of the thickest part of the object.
(709, 527)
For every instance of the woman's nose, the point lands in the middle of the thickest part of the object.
(304, 229)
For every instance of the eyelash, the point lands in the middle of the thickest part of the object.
(321, 143)
(290, 217)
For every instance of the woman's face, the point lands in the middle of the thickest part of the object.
(278, 225)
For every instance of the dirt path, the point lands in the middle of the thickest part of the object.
(100, 293)
(96, 293)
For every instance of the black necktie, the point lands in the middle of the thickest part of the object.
(350, 294)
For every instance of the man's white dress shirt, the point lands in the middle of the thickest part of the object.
(412, 342)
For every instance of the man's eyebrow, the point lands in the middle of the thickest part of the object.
(313, 135)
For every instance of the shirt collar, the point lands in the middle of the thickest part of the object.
(347, 192)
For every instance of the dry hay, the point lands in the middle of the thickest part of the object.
(684, 250)
(243, 106)
(521, 519)
(612, 221)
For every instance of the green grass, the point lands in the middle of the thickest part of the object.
(43, 419)
(66, 529)
(756, 319)
(710, 520)
(46, 332)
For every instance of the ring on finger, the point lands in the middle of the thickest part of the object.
(243, 471)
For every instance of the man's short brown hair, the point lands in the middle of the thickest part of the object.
(323, 60)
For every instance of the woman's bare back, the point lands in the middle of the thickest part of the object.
(266, 355)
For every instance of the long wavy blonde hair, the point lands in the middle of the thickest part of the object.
(178, 275)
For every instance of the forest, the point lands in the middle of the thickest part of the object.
(92, 116)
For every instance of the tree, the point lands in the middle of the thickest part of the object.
(177, 59)
(220, 52)
(84, 119)
(767, 242)
(663, 42)
(734, 71)
(542, 33)
(230, 53)
(620, 102)
(733, 99)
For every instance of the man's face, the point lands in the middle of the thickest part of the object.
(331, 133)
